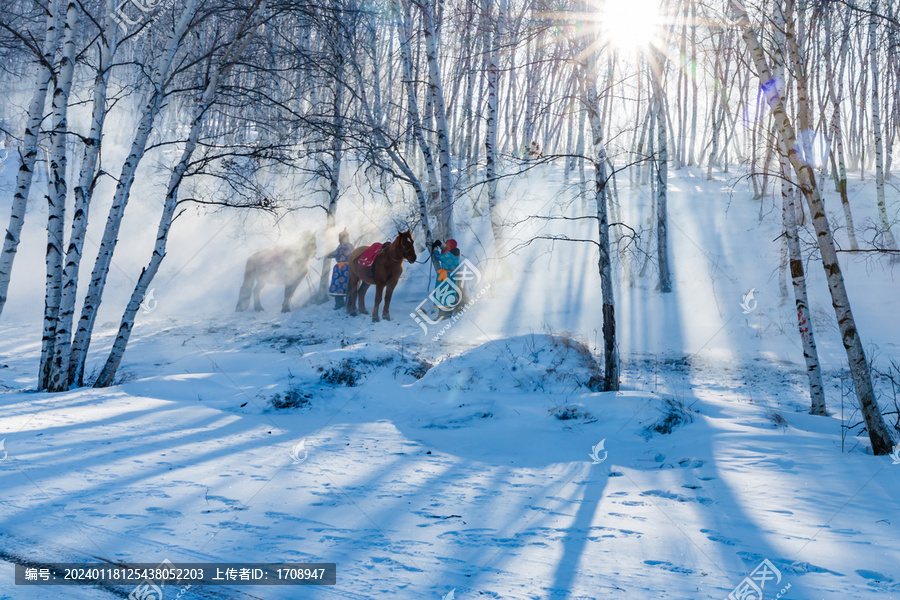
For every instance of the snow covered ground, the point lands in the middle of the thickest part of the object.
(467, 463)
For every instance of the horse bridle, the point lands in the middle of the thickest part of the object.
(391, 247)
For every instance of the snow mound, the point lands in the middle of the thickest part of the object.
(531, 363)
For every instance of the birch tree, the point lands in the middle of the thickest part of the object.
(28, 151)
(93, 297)
(784, 25)
(337, 148)
(443, 135)
(107, 45)
(859, 367)
(610, 346)
(662, 166)
(56, 194)
(889, 240)
(242, 37)
(837, 135)
(412, 102)
(493, 76)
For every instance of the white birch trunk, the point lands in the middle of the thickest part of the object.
(56, 192)
(440, 115)
(107, 43)
(334, 169)
(29, 150)
(646, 175)
(798, 279)
(838, 133)
(889, 240)
(679, 136)
(570, 160)
(714, 143)
(779, 67)
(694, 72)
(662, 169)
(805, 133)
(579, 151)
(406, 34)
(492, 117)
(469, 121)
(789, 217)
(610, 347)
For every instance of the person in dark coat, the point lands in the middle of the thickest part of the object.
(340, 274)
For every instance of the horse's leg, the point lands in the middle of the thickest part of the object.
(388, 292)
(289, 289)
(352, 286)
(379, 289)
(361, 296)
(260, 284)
(246, 287)
(244, 296)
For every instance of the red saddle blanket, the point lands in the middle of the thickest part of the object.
(367, 258)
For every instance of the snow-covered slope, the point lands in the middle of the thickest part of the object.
(472, 462)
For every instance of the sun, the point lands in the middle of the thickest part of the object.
(630, 25)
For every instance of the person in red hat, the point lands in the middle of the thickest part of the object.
(446, 290)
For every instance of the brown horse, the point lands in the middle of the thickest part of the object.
(280, 266)
(383, 274)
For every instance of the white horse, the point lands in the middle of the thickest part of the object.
(286, 266)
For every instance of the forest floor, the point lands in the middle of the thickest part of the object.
(469, 461)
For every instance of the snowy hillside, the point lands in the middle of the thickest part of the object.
(471, 463)
(665, 232)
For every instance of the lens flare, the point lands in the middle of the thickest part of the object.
(630, 25)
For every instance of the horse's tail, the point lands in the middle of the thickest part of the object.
(247, 287)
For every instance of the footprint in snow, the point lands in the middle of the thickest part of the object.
(163, 511)
(673, 496)
(624, 516)
(394, 565)
(873, 576)
(787, 566)
(662, 564)
(716, 537)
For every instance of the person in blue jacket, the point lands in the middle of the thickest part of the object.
(446, 289)
(340, 274)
